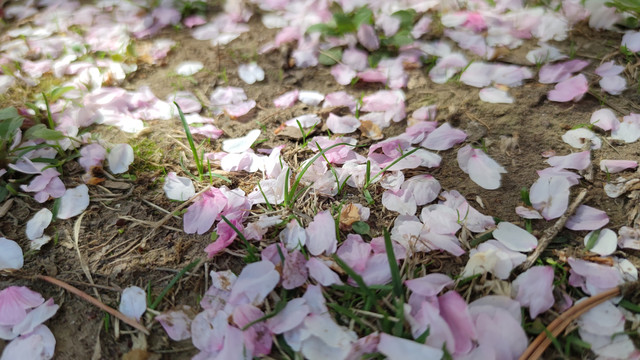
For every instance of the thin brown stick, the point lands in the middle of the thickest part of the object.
(542, 341)
(94, 302)
(551, 232)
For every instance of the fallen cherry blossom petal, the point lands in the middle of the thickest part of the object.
(491, 256)
(400, 201)
(613, 85)
(312, 98)
(176, 323)
(39, 344)
(429, 285)
(514, 237)
(92, 155)
(396, 348)
(235, 111)
(11, 256)
(254, 283)
(605, 244)
(73, 202)
(534, 289)
(558, 72)
(591, 277)
(443, 138)
(133, 302)
(250, 73)
(572, 89)
(15, 301)
(616, 166)
(120, 157)
(188, 68)
(342, 124)
(367, 37)
(242, 144)
(306, 121)
(629, 130)
(528, 213)
(201, 215)
(495, 96)
(631, 40)
(550, 196)
(605, 119)
(287, 99)
(577, 138)
(482, 169)
(38, 223)
(321, 273)
(343, 74)
(35, 317)
(322, 234)
(629, 238)
(587, 218)
(425, 188)
(290, 317)
(178, 187)
(578, 161)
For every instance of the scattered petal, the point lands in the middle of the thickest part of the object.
(120, 157)
(605, 244)
(133, 302)
(616, 166)
(240, 145)
(396, 348)
(514, 237)
(250, 73)
(572, 89)
(534, 289)
(11, 256)
(73, 202)
(188, 68)
(587, 218)
(38, 223)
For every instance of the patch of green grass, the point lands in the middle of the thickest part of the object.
(147, 155)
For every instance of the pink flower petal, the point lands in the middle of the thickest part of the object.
(120, 157)
(290, 317)
(322, 234)
(91, 155)
(613, 85)
(429, 285)
(534, 289)
(528, 213)
(254, 283)
(35, 317)
(176, 323)
(491, 256)
(343, 74)
(396, 348)
(550, 196)
(482, 169)
(342, 124)
(578, 161)
(454, 310)
(208, 130)
(340, 98)
(577, 138)
(605, 119)
(257, 337)
(587, 218)
(424, 188)
(609, 69)
(400, 201)
(239, 109)
(355, 59)
(557, 72)
(39, 344)
(15, 300)
(321, 273)
(38, 223)
(571, 89)
(591, 277)
(294, 270)
(367, 37)
(443, 138)
(615, 166)
(514, 237)
(355, 252)
(201, 215)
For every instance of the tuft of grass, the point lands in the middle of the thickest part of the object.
(171, 283)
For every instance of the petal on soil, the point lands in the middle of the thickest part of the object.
(555, 73)
(444, 138)
(572, 89)
(550, 196)
(342, 124)
(120, 157)
(11, 256)
(178, 187)
(240, 145)
(73, 202)
(343, 74)
(133, 302)
(495, 95)
(38, 223)
(482, 169)
(629, 130)
(36, 317)
(579, 137)
(613, 85)
(176, 323)
(605, 119)
(250, 73)
(188, 68)
(587, 218)
(311, 98)
(615, 166)
(578, 161)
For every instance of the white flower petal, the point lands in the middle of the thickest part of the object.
(73, 202)
(133, 302)
(606, 243)
(514, 237)
(120, 157)
(242, 144)
(178, 187)
(10, 254)
(188, 68)
(37, 224)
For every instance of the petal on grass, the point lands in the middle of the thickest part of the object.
(322, 234)
(396, 348)
(429, 285)
(534, 289)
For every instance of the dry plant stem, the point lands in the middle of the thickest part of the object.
(95, 302)
(551, 232)
(542, 341)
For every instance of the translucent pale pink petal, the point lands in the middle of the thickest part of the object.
(605, 119)
(615, 166)
(534, 289)
(444, 138)
(287, 99)
(120, 157)
(578, 161)
(74, 202)
(605, 244)
(254, 283)
(11, 256)
(176, 323)
(40, 344)
(322, 234)
(587, 218)
(250, 73)
(572, 89)
(178, 187)
(396, 348)
(321, 273)
(429, 285)
(133, 302)
(515, 238)
(188, 68)
(342, 124)
(291, 316)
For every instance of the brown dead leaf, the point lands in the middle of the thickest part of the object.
(371, 130)
(348, 216)
(117, 185)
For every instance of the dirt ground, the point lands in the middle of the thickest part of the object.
(118, 246)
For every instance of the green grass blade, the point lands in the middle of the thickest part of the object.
(396, 280)
(371, 296)
(172, 283)
(252, 257)
(192, 145)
